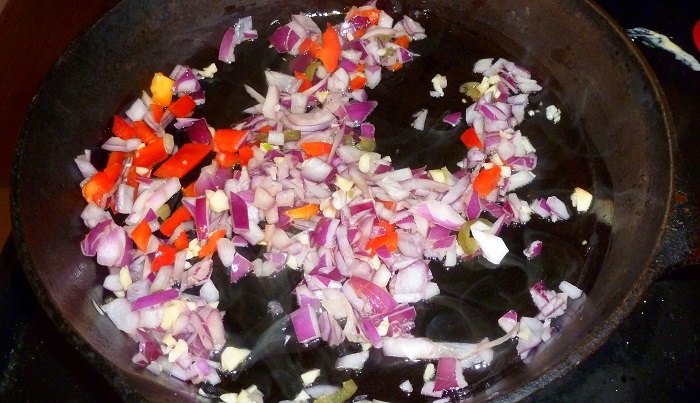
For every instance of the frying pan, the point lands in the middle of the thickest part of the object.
(615, 137)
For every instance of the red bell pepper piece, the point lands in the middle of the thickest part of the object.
(226, 159)
(95, 188)
(180, 215)
(144, 132)
(122, 129)
(151, 154)
(183, 107)
(141, 235)
(390, 240)
(305, 82)
(113, 171)
(372, 15)
(114, 165)
(471, 139)
(245, 154)
(487, 180)
(228, 140)
(386, 226)
(157, 112)
(164, 256)
(183, 161)
(309, 46)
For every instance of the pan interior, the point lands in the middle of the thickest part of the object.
(611, 140)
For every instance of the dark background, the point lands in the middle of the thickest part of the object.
(654, 355)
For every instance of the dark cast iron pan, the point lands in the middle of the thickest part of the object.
(615, 138)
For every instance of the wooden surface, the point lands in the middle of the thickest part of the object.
(33, 34)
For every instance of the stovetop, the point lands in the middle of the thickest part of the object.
(653, 356)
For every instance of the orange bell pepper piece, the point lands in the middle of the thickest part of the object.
(210, 246)
(162, 90)
(402, 41)
(357, 82)
(188, 191)
(329, 54)
(395, 66)
(304, 212)
(316, 148)
(389, 205)
(181, 242)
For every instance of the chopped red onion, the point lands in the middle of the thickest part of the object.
(357, 112)
(235, 35)
(508, 321)
(378, 298)
(239, 267)
(492, 247)
(186, 82)
(305, 323)
(316, 170)
(355, 190)
(239, 212)
(155, 298)
(84, 164)
(354, 361)
(558, 209)
(533, 249)
(198, 132)
(570, 290)
(420, 117)
(453, 119)
(120, 312)
(439, 213)
(117, 144)
(137, 110)
(448, 375)
(284, 39)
